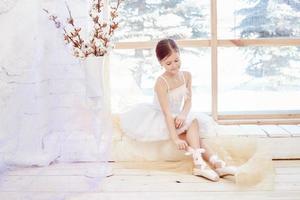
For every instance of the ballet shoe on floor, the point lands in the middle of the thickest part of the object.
(223, 170)
(201, 168)
(206, 172)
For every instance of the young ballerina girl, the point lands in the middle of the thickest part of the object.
(169, 116)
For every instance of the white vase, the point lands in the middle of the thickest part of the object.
(93, 68)
(97, 80)
(97, 87)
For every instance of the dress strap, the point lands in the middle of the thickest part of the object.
(183, 77)
(163, 78)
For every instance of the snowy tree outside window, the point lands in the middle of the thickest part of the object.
(259, 78)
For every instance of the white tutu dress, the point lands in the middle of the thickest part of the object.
(146, 122)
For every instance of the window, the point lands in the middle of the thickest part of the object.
(268, 81)
(244, 54)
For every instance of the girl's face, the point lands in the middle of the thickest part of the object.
(171, 63)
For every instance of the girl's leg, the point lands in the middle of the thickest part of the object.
(193, 139)
(192, 136)
(208, 153)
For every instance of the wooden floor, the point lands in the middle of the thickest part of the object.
(74, 181)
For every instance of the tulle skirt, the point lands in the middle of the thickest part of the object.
(145, 122)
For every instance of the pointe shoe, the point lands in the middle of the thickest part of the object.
(224, 170)
(206, 172)
(201, 168)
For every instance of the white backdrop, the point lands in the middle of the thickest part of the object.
(44, 114)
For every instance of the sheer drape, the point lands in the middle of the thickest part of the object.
(45, 115)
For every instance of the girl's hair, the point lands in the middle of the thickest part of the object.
(165, 47)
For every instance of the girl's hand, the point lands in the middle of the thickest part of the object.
(179, 120)
(181, 144)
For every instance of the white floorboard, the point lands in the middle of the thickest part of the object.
(69, 182)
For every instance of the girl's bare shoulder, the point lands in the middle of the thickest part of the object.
(160, 84)
(187, 75)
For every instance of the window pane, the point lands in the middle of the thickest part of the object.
(144, 20)
(258, 19)
(134, 71)
(259, 79)
(132, 75)
(198, 62)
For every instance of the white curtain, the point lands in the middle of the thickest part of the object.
(44, 114)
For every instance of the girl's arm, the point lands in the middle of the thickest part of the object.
(161, 90)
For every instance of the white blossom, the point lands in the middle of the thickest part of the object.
(98, 40)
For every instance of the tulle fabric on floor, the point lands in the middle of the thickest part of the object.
(249, 154)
